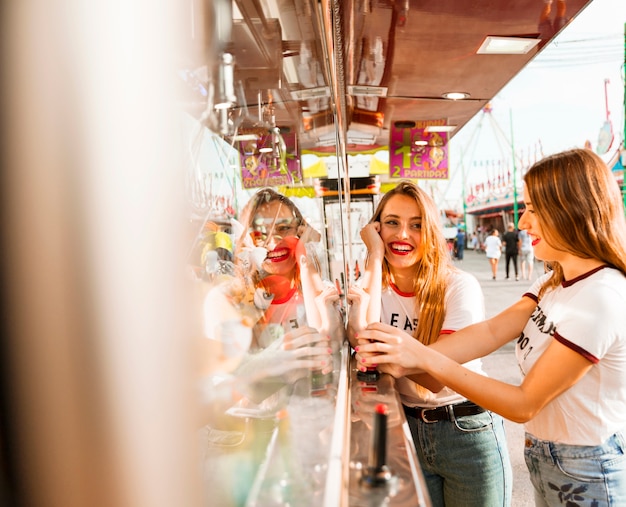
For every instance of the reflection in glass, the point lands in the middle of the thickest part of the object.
(274, 331)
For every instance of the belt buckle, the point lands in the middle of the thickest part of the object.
(424, 418)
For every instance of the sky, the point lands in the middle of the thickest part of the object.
(559, 101)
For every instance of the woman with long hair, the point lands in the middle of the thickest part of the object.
(570, 328)
(288, 287)
(411, 285)
(277, 292)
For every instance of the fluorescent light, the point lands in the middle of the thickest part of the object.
(245, 137)
(311, 93)
(223, 105)
(367, 91)
(456, 95)
(506, 45)
(326, 142)
(440, 128)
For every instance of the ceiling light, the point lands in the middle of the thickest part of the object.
(367, 91)
(245, 137)
(266, 149)
(456, 95)
(226, 104)
(440, 128)
(506, 45)
(326, 142)
(311, 93)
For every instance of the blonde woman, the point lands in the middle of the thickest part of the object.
(570, 328)
(411, 284)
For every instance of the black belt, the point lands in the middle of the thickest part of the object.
(444, 413)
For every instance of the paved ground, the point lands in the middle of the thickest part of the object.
(499, 294)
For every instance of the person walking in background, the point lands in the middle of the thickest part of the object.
(411, 283)
(511, 242)
(474, 245)
(570, 328)
(493, 250)
(527, 258)
(460, 244)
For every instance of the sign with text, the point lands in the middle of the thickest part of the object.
(260, 168)
(418, 161)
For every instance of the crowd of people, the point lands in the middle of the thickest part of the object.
(415, 315)
(515, 243)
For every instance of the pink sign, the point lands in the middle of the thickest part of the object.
(263, 168)
(427, 160)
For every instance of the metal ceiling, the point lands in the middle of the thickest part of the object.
(303, 65)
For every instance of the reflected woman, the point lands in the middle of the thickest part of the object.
(279, 293)
(288, 285)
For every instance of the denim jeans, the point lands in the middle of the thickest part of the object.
(465, 462)
(577, 475)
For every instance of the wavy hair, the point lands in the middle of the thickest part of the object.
(432, 270)
(579, 206)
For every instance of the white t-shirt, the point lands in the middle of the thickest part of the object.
(282, 316)
(493, 247)
(587, 314)
(464, 306)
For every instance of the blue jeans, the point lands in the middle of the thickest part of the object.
(577, 474)
(465, 462)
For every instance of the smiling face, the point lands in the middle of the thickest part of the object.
(401, 232)
(531, 224)
(275, 228)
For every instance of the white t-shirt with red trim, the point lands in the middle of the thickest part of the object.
(464, 306)
(282, 315)
(588, 315)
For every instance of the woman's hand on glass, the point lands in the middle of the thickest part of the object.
(328, 304)
(327, 298)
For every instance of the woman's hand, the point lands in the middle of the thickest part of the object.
(328, 304)
(390, 349)
(306, 348)
(359, 301)
(307, 234)
(370, 234)
(326, 300)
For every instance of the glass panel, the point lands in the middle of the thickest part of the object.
(272, 350)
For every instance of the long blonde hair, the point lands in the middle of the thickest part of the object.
(579, 206)
(433, 268)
